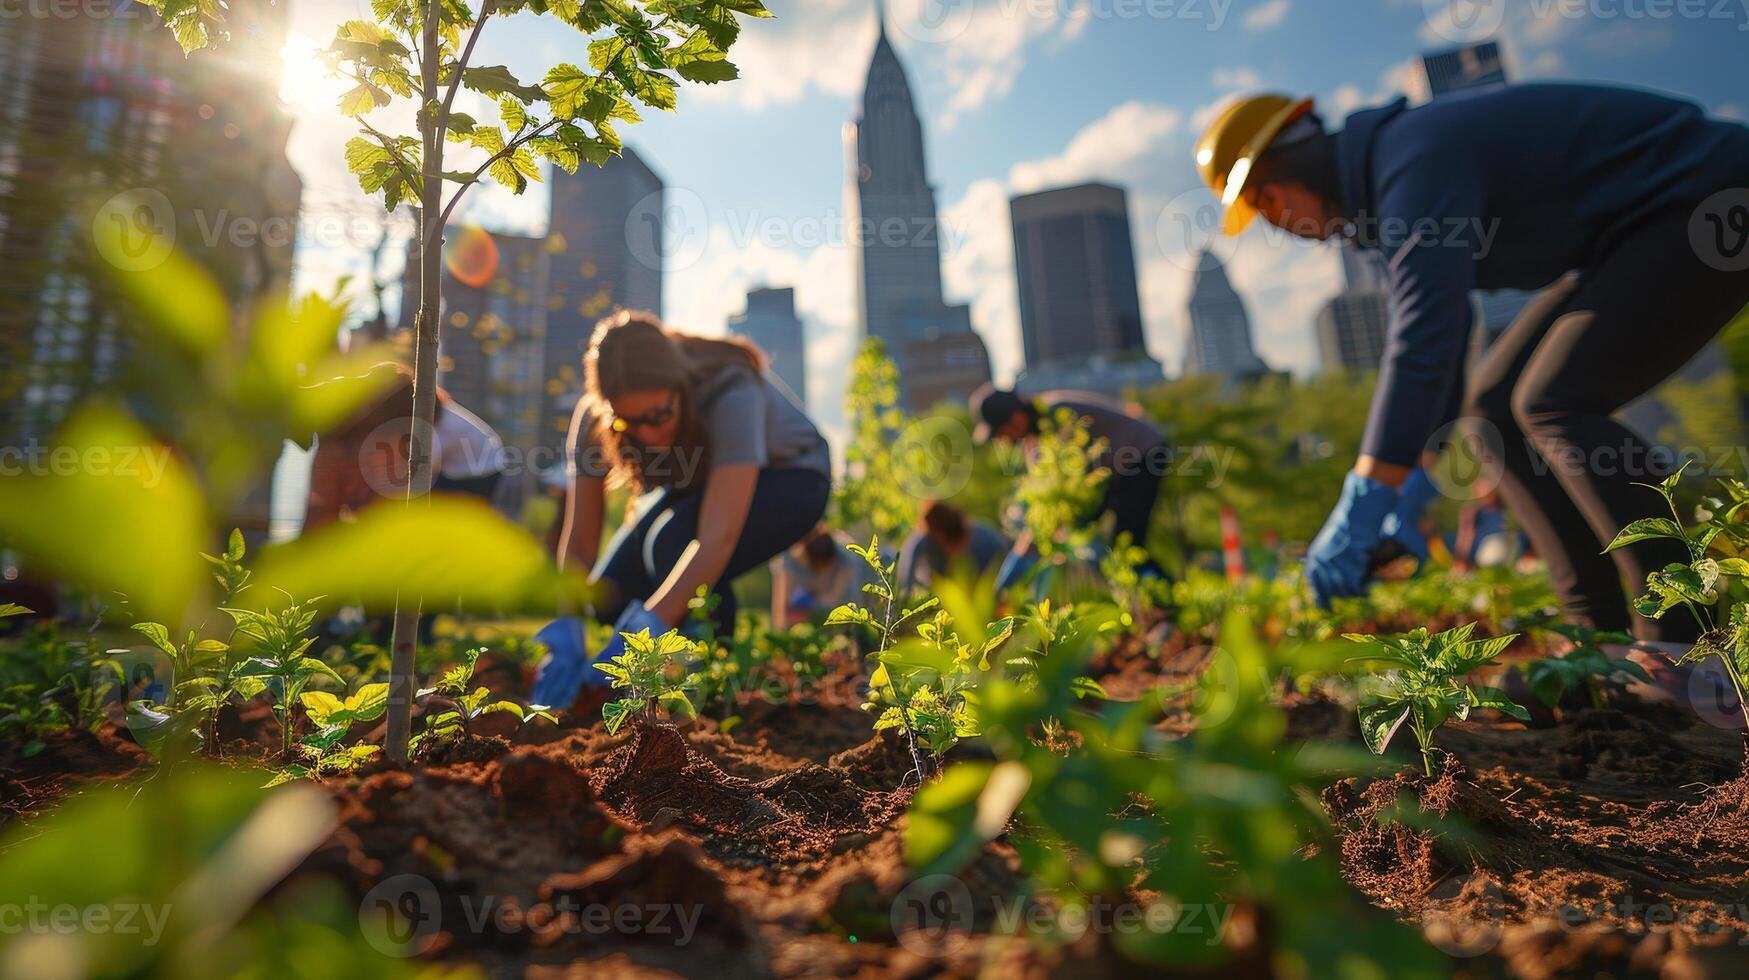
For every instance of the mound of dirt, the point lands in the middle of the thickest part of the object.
(67, 762)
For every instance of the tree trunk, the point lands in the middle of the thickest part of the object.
(406, 630)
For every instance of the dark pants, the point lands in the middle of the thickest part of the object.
(1130, 496)
(1578, 353)
(484, 487)
(786, 504)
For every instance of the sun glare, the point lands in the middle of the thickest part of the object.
(306, 82)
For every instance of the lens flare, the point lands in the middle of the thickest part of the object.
(471, 257)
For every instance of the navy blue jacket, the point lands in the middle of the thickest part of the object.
(1506, 188)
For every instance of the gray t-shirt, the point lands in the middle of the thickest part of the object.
(749, 418)
(921, 559)
(1127, 437)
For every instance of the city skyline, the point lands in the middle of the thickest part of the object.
(756, 166)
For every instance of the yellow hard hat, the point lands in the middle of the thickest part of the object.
(1234, 141)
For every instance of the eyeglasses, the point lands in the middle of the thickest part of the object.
(650, 419)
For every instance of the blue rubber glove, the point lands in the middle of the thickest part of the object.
(1403, 525)
(1014, 568)
(565, 668)
(1336, 564)
(634, 619)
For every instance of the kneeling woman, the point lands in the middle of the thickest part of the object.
(735, 474)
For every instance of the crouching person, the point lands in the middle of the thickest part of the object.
(731, 471)
(947, 542)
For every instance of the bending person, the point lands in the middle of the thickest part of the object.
(947, 541)
(1136, 452)
(735, 474)
(1516, 188)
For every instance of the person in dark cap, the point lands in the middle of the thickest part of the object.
(1136, 453)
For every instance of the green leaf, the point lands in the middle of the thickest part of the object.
(497, 80)
(13, 609)
(1380, 719)
(320, 706)
(460, 549)
(938, 830)
(1495, 699)
(614, 714)
(1087, 687)
(131, 520)
(678, 703)
(159, 635)
(1646, 529)
(699, 59)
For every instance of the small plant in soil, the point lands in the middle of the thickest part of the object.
(49, 684)
(1585, 667)
(1713, 586)
(1421, 680)
(651, 673)
(323, 750)
(892, 700)
(453, 704)
(279, 656)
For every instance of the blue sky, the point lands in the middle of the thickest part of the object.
(1018, 95)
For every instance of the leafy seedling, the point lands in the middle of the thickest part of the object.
(454, 702)
(650, 673)
(1700, 585)
(1585, 667)
(1422, 683)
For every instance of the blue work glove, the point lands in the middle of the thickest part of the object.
(635, 618)
(800, 598)
(1014, 568)
(1403, 525)
(1337, 563)
(565, 668)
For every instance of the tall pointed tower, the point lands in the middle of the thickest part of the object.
(895, 236)
(1220, 329)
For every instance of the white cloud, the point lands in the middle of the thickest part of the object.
(1266, 15)
(1142, 147)
(1732, 110)
(799, 52)
(986, 52)
(1241, 77)
(1112, 146)
(701, 298)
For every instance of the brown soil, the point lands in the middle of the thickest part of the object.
(1616, 841)
(69, 763)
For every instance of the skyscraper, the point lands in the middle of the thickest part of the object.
(1351, 331)
(492, 331)
(1220, 329)
(770, 321)
(95, 105)
(1471, 66)
(895, 236)
(606, 231)
(1080, 311)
